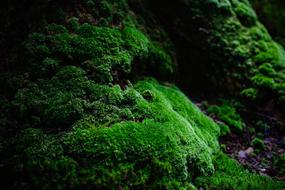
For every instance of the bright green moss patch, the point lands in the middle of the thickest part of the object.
(230, 175)
(165, 142)
(249, 93)
(274, 54)
(263, 81)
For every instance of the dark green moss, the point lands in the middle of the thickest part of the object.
(70, 116)
(272, 14)
(227, 113)
(245, 14)
(258, 144)
(107, 54)
(279, 164)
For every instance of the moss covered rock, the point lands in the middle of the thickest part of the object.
(166, 144)
(77, 110)
(235, 42)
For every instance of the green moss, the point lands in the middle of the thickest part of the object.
(230, 175)
(224, 129)
(258, 144)
(105, 53)
(281, 91)
(45, 151)
(263, 81)
(80, 123)
(55, 29)
(226, 113)
(274, 54)
(160, 60)
(279, 164)
(272, 15)
(165, 148)
(259, 32)
(67, 97)
(222, 7)
(267, 69)
(266, 77)
(137, 43)
(250, 93)
(236, 44)
(245, 14)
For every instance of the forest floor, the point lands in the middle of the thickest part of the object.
(259, 145)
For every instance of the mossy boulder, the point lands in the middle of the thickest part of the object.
(77, 110)
(164, 142)
(164, 148)
(235, 42)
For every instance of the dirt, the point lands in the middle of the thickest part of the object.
(239, 147)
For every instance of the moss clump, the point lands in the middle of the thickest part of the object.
(230, 175)
(96, 49)
(165, 148)
(263, 81)
(72, 119)
(273, 54)
(105, 53)
(60, 101)
(245, 14)
(235, 43)
(250, 93)
(266, 79)
(258, 144)
(227, 113)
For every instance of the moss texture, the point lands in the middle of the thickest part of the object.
(232, 176)
(87, 99)
(138, 146)
(236, 45)
(226, 113)
(272, 14)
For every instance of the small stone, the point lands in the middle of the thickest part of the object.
(280, 151)
(242, 154)
(249, 151)
(263, 170)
